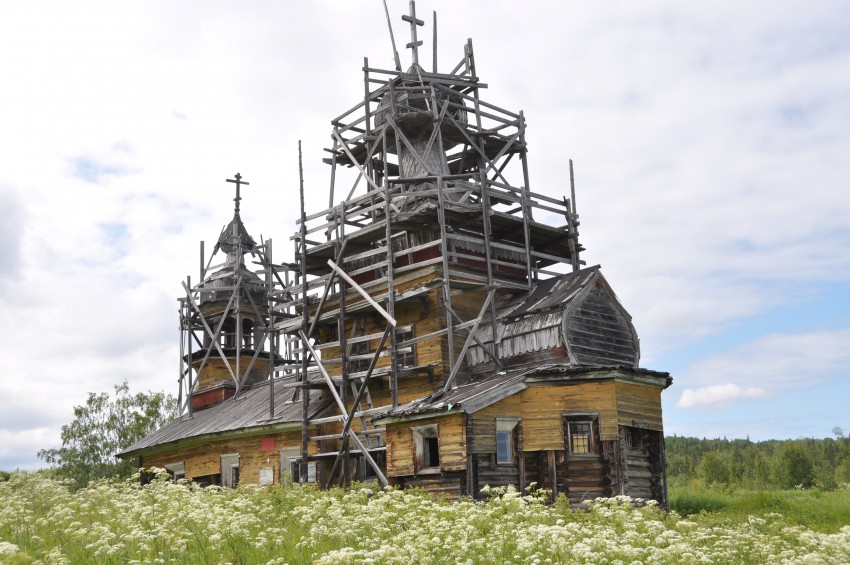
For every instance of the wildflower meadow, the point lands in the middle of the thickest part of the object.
(43, 520)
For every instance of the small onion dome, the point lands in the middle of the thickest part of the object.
(411, 103)
(234, 236)
(235, 241)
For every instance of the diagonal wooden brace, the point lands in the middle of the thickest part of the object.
(469, 339)
(343, 410)
(363, 293)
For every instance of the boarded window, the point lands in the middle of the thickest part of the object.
(358, 354)
(290, 466)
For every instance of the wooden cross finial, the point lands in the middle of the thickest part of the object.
(239, 182)
(414, 44)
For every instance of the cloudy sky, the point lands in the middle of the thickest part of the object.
(711, 144)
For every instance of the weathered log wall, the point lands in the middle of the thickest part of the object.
(205, 458)
(599, 333)
(451, 439)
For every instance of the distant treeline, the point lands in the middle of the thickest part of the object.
(772, 464)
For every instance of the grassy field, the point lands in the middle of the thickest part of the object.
(825, 512)
(43, 521)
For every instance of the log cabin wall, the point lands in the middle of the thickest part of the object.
(401, 449)
(204, 459)
(639, 403)
(642, 460)
(467, 306)
(216, 371)
(615, 466)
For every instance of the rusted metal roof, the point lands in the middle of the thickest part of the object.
(244, 413)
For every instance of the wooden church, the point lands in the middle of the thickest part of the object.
(436, 329)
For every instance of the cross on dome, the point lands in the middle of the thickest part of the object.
(239, 182)
(414, 44)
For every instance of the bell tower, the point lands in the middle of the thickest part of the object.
(224, 320)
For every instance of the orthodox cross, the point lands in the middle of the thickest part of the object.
(239, 182)
(413, 23)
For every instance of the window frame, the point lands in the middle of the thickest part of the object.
(591, 419)
(423, 436)
(634, 438)
(358, 348)
(228, 478)
(405, 356)
(287, 460)
(177, 470)
(507, 427)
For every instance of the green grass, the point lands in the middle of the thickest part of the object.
(820, 511)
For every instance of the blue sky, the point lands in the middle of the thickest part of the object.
(710, 143)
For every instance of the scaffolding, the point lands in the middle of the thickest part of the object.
(227, 341)
(433, 187)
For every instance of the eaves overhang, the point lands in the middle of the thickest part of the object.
(263, 429)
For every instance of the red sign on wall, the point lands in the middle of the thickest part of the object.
(267, 444)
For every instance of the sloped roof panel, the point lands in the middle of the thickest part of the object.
(240, 413)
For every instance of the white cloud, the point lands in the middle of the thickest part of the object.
(765, 367)
(718, 397)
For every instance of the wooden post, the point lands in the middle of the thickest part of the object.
(666, 502)
(553, 474)
(526, 202)
(573, 216)
(470, 457)
(305, 320)
(388, 235)
(520, 454)
(343, 348)
(447, 294)
(270, 322)
(622, 464)
(435, 43)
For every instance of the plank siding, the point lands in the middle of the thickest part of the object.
(451, 485)
(599, 333)
(639, 402)
(495, 474)
(451, 439)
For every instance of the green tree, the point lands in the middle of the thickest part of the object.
(715, 468)
(103, 427)
(795, 467)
